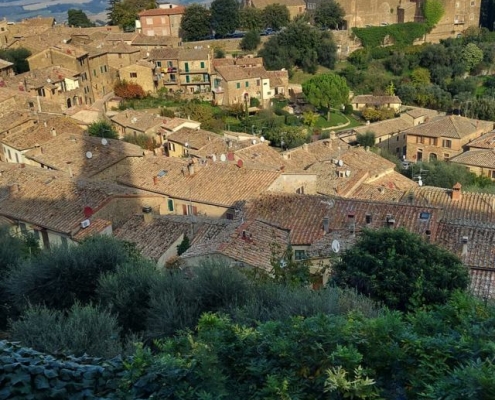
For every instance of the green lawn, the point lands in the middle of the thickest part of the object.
(299, 76)
(337, 118)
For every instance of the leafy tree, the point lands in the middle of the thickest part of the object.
(251, 19)
(102, 129)
(276, 16)
(420, 77)
(298, 45)
(219, 52)
(18, 57)
(128, 90)
(224, 16)
(62, 276)
(445, 174)
(310, 118)
(142, 140)
(126, 293)
(326, 91)
(328, 14)
(250, 41)
(125, 12)
(471, 55)
(327, 51)
(366, 139)
(195, 23)
(400, 269)
(198, 111)
(78, 19)
(397, 63)
(184, 245)
(84, 329)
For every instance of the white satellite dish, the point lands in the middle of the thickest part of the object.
(283, 263)
(336, 246)
(341, 163)
(49, 80)
(253, 141)
(214, 157)
(330, 203)
(223, 158)
(89, 155)
(348, 173)
(262, 139)
(104, 142)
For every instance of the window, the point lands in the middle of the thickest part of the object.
(149, 21)
(491, 174)
(446, 156)
(10, 155)
(397, 138)
(105, 68)
(258, 82)
(81, 61)
(300, 190)
(133, 74)
(447, 143)
(300, 254)
(189, 209)
(23, 228)
(169, 64)
(158, 63)
(238, 85)
(473, 3)
(425, 216)
(420, 139)
(202, 64)
(247, 84)
(170, 204)
(171, 146)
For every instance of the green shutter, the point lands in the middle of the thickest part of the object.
(170, 205)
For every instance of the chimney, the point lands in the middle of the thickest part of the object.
(305, 147)
(326, 224)
(155, 180)
(465, 240)
(390, 220)
(190, 168)
(54, 132)
(456, 191)
(147, 215)
(332, 135)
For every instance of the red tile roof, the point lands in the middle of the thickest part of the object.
(162, 11)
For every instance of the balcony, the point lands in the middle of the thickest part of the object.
(169, 70)
(193, 70)
(192, 82)
(170, 81)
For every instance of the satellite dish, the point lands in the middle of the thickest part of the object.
(341, 163)
(49, 80)
(336, 246)
(223, 158)
(214, 157)
(89, 155)
(262, 139)
(104, 142)
(348, 173)
(330, 203)
(420, 182)
(253, 141)
(283, 263)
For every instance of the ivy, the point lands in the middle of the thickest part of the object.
(401, 34)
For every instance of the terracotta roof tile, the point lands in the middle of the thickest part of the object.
(481, 158)
(97, 226)
(51, 199)
(483, 282)
(138, 120)
(162, 11)
(44, 77)
(486, 141)
(143, 40)
(215, 183)
(386, 127)
(69, 153)
(452, 126)
(152, 239)
(235, 73)
(195, 138)
(289, 3)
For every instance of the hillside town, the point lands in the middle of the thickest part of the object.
(265, 199)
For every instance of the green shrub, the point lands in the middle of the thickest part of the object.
(61, 276)
(401, 34)
(85, 329)
(142, 140)
(126, 293)
(102, 129)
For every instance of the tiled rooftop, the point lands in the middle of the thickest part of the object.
(486, 141)
(378, 100)
(139, 120)
(195, 138)
(390, 187)
(163, 54)
(97, 226)
(51, 199)
(14, 119)
(452, 126)
(144, 40)
(215, 183)
(174, 124)
(261, 155)
(44, 77)
(253, 243)
(235, 73)
(386, 127)
(471, 208)
(152, 239)
(42, 133)
(417, 112)
(69, 153)
(162, 11)
(478, 157)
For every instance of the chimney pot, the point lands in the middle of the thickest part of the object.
(457, 191)
(326, 224)
(147, 214)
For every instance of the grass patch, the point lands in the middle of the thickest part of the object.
(299, 76)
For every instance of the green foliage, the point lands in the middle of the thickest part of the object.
(401, 34)
(184, 245)
(224, 16)
(326, 91)
(61, 276)
(358, 387)
(27, 373)
(125, 12)
(126, 293)
(195, 23)
(400, 269)
(250, 41)
(328, 14)
(366, 139)
(18, 57)
(142, 140)
(83, 330)
(446, 175)
(433, 11)
(102, 129)
(420, 77)
(78, 19)
(299, 45)
(276, 16)
(219, 52)
(251, 19)
(471, 55)
(377, 114)
(310, 118)
(254, 102)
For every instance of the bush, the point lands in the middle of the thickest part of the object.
(85, 329)
(126, 293)
(142, 140)
(102, 129)
(61, 276)
(250, 41)
(128, 90)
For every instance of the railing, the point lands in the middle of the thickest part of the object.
(193, 70)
